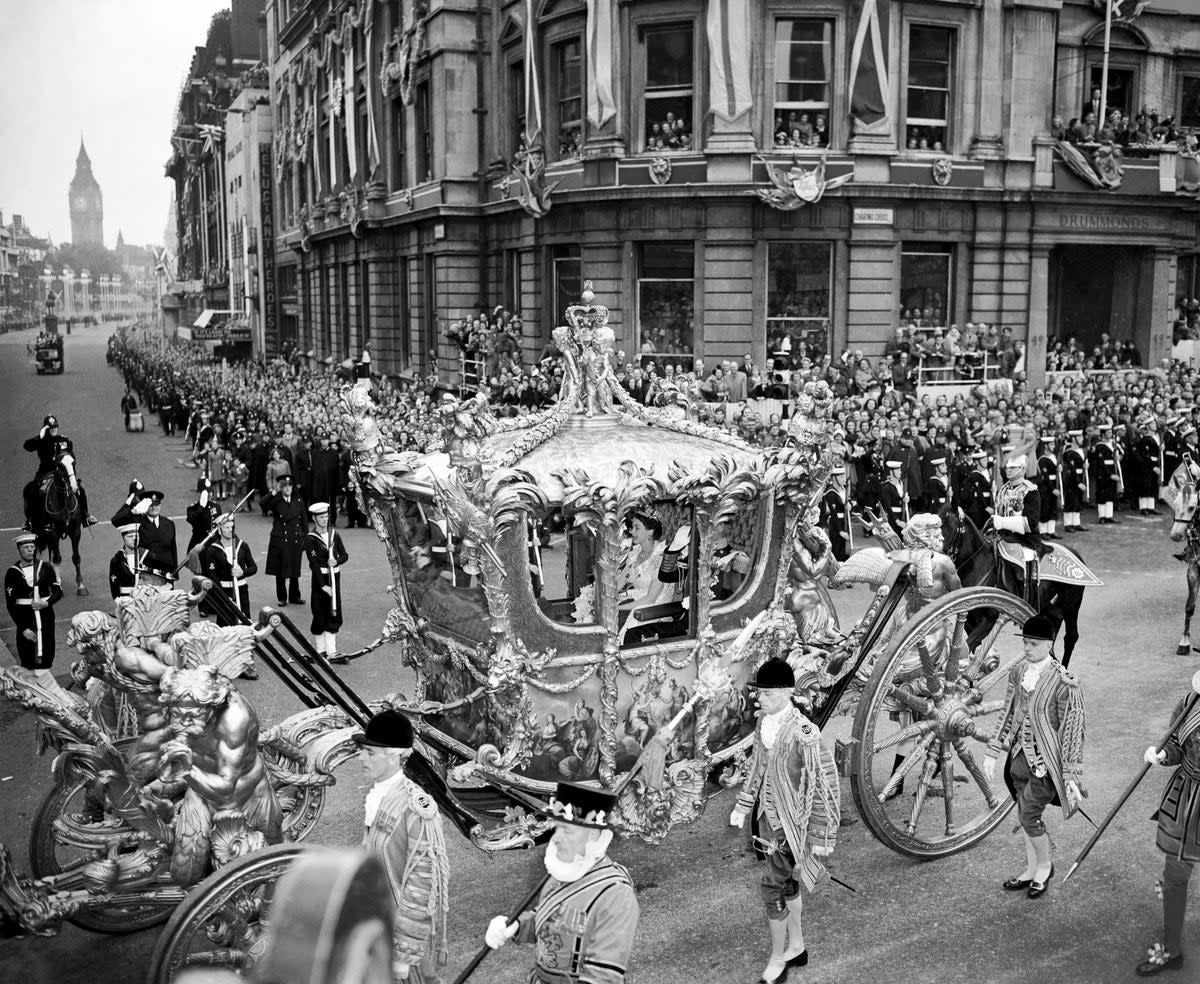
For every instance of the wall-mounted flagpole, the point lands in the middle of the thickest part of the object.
(1108, 15)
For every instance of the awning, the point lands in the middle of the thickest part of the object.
(207, 315)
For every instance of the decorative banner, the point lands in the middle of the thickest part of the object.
(871, 93)
(372, 134)
(533, 85)
(349, 113)
(266, 250)
(729, 58)
(601, 106)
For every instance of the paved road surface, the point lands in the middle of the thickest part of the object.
(701, 920)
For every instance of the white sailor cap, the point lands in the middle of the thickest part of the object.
(319, 508)
(978, 453)
(894, 464)
(128, 528)
(937, 461)
(25, 537)
(1075, 433)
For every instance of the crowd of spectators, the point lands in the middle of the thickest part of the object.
(925, 138)
(798, 130)
(669, 133)
(237, 415)
(1143, 129)
(1068, 355)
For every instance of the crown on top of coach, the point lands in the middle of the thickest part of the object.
(587, 316)
(809, 426)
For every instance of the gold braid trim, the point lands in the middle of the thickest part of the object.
(432, 844)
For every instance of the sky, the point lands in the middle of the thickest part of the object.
(111, 71)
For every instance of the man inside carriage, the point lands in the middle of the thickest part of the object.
(50, 445)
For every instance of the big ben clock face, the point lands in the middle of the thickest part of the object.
(81, 202)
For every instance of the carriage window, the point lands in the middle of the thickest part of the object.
(442, 573)
(656, 582)
(562, 564)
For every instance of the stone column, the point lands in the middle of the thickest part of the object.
(1039, 316)
(988, 143)
(1161, 312)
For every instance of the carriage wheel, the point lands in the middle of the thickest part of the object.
(52, 851)
(935, 698)
(222, 922)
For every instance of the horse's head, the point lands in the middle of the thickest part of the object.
(66, 468)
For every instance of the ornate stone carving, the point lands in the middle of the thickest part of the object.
(660, 170)
(943, 171)
(797, 186)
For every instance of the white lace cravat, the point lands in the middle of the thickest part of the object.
(771, 723)
(376, 794)
(1032, 672)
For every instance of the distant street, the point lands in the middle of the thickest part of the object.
(944, 921)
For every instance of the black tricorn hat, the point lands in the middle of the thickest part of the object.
(582, 806)
(387, 729)
(1038, 627)
(775, 674)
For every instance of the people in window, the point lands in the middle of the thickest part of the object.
(670, 133)
(798, 130)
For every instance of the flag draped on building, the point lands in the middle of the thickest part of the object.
(533, 85)
(729, 47)
(349, 114)
(368, 49)
(870, 92)
(601, 106)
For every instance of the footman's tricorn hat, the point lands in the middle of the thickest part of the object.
(775, 674)
(387, 729)
(1038, 627)
(581, 805)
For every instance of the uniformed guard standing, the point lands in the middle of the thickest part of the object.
(286, 545)
(31, 590)
(1150, 475)
(977, 502)
(1074, 480)
(835, 514)
(125, 568)
(1172, 453)
(156, 533)
(1106, 462)
(326, 555)
(1049, 483)
(893, 496)
(937, 487)
(228, 562)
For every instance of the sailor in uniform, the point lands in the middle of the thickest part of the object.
(937, 487)
(228, 562)
(835, 514)
(1105, 460)
(125, 568)
(977, 502)
(586, 917)
(893, 497)
(1073, 478)
(403, 828)
(1049, 485)
(156, 533)
(1148, 452)
(202, 514)
(326, 555)
(31, 590)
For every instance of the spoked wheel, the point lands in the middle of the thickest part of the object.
(222, 922)
(70, 828)
(932, 703)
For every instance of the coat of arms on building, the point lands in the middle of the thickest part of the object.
(797, 186)
(528, 177)
(660, 170)
(943, 171)
(1101, 168)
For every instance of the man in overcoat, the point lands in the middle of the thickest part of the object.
(286, 546)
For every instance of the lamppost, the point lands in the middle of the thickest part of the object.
(86, 279)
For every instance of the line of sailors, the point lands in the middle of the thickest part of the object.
(215, 551)
(1068, 477)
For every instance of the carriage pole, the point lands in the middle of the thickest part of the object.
(704, 690)
(1175, 724)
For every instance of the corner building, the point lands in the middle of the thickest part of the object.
(400, 207)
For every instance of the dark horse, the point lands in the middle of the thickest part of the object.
(975, 559)
(54, 512)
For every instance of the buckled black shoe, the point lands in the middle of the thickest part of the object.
(1017, 884)
(799, 960)
(1158, 962)
(1037, 889)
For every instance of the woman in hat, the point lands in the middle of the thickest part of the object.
(31, 590)
(286, 546)
(587, 914)
(326, 555)
(793, 784)
(1041, 734)
(403, 828)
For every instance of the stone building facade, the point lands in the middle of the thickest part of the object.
(672, 132)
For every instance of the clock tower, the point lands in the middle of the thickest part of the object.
(87, 204)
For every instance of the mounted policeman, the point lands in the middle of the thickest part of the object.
(50, 445)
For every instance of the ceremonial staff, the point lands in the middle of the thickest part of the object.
(653, 757)
(1179, 719)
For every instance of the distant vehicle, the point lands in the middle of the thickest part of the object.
(48, 354)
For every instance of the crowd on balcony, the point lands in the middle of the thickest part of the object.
(799, 130)
(946, 353)
(669, 133)
(1067, 355)
(1143, 129)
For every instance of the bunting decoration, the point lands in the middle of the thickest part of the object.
(729, 68)
(533, 85)
(601, 106)
(870, 93)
